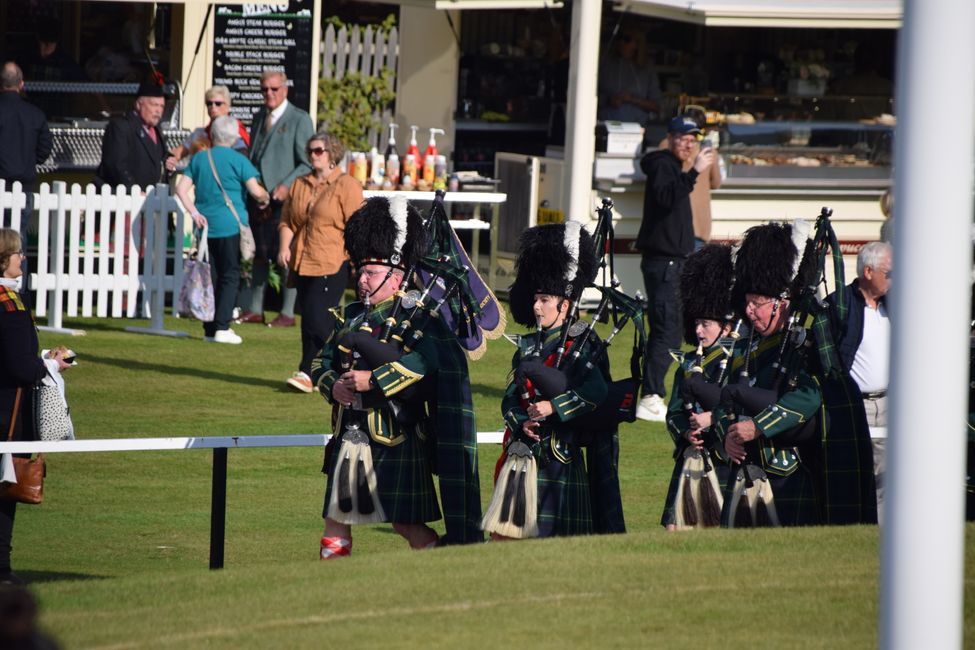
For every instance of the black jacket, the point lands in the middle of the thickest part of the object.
(667, 231)
(26, 139)
(129, 156)
(849, 333)
(20, 365)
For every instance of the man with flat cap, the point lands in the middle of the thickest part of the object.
(133, 149)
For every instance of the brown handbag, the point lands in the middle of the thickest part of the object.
(30, 472)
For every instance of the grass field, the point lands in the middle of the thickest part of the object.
(118, 552)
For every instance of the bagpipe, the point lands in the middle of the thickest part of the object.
(440, 286)
(697, 473)
(753, 504)
(446, 288)
(544, 378)
(513, 508)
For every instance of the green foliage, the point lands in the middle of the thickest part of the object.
(387, 24)
(351, 106)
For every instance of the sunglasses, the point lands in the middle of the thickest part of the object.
(210, 103)
(316, 151)
(270, 89)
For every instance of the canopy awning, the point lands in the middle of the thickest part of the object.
(884, 14)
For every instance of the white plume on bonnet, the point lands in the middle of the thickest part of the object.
(571, 241)
(397, 210)
(801, 230)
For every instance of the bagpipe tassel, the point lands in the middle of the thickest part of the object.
(355, 496)
(513, 511)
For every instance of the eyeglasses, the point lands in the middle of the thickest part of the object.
(316, 151)
(755, 305)
(270, 89)
(21, 253)
(210, 103)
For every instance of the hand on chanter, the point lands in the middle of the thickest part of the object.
(734, 448)
(530, 429)
(693, 436)
(700, 420)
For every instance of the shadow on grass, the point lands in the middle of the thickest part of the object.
(37, 577)
(491, 392)
(187, 371)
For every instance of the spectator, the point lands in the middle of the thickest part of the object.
(210, 209)
(701, 195)
(133, 149)
(279, 134)
(52, 62)
(20, 369)
(217, 100)
(629, 90)
(665, 239)
(26, 139)
(312, 247)
(863, 344)
(26, 142)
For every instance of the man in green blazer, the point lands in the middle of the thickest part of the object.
(279, 133)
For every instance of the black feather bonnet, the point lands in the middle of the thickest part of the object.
(705, 287)
(558, 259)
(768, 262)
(385, 231)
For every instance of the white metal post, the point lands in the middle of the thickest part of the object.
(922, 568)
(580, 131)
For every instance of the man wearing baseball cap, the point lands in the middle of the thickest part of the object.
(665, 239)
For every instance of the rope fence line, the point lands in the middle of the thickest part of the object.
(219, 445)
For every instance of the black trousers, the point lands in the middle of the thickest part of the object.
(660, 276)
(225, 273)
(316, 295)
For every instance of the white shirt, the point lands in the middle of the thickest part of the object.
(278, 112)
(871, 365)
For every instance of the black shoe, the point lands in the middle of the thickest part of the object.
(10, 579)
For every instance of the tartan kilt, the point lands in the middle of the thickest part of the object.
(795, 497)
(563, 497)
(602, 462)
(403, 480)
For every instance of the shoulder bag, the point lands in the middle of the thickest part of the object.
(196, 299)
(247, 245)
(30, 472)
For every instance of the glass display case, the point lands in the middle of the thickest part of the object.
(803, 138)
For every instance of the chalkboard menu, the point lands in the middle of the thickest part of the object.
(251, 38)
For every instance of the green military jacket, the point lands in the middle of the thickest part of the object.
(794, 407)
(585, 393)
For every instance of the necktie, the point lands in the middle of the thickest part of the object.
(268, 123)
(152, 135)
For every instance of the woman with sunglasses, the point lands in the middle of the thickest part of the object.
(20, 369)
(312, 247)
(217, 100)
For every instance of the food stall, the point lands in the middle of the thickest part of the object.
(800, 116)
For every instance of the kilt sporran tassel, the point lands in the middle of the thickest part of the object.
(355, 497)
(513, 511)
(697, 493)
(753, 505)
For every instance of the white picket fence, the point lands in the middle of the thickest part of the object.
(101, 253)
(365, 50)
